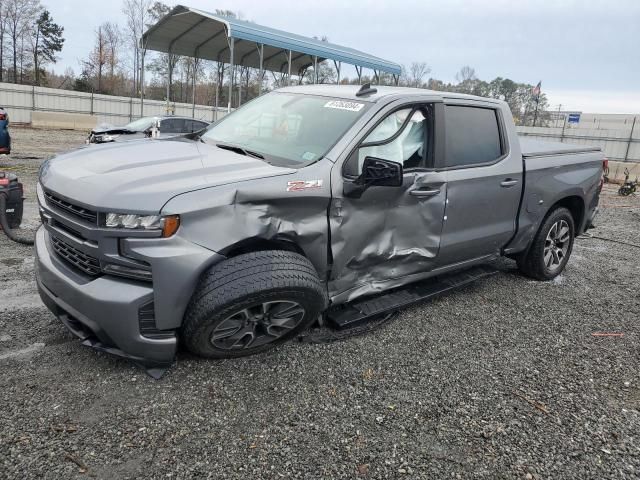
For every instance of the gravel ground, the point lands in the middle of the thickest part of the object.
(503, 379)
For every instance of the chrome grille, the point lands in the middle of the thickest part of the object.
(86, 263)
(80, 212)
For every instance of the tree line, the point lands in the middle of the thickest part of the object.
(30, 41)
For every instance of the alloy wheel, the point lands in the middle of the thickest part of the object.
(257, 325)
(556, 245)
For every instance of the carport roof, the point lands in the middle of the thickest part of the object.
(196, 33)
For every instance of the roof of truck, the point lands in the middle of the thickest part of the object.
(349, 92)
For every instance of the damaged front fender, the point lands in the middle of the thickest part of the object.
(292, 207)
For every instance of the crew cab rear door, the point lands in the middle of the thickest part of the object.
(484, 180)
(387, 236)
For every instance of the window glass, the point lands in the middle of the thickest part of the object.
(472, 136)
(288, 129)
(172, 125)
(408, 148)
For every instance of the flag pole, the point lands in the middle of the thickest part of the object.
(537, 91)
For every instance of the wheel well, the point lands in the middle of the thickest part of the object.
(261, 244)
(575, 205)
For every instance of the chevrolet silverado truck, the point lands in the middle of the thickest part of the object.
(307, 205)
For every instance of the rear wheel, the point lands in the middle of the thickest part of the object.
(250, 303)
(551, 247)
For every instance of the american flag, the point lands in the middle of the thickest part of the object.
(536, 89)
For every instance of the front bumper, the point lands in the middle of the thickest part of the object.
(103, 312)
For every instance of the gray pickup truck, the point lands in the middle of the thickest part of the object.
(305, 202)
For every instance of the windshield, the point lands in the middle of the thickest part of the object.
(140, 125)
(287, 129)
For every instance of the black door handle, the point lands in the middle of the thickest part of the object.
(424, 193)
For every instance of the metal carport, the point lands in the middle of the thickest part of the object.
(195, 33)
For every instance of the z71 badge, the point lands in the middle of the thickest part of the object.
(298, 185)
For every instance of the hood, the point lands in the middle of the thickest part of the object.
(111, 130)
(142, 176)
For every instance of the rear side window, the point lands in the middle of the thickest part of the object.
(472, 136)
(172, 125)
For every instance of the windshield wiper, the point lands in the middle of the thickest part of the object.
(240, 150)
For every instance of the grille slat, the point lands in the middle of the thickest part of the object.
(80, 212)
(86, 263)
(147, 323)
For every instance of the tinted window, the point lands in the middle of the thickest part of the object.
(172, 125)
(473, 136)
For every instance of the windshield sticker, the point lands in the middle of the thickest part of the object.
(344, 105)
(308, 156)
(299, 185)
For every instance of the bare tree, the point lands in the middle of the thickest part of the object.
(138, 15)
(98, 58)
(113, 41)
(417, 72)
(3, 30)
(466, 74)
(21, 15)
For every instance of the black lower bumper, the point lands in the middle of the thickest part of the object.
(103, 312)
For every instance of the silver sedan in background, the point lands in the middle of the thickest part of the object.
(167, 126)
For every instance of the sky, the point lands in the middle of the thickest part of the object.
(586, 53)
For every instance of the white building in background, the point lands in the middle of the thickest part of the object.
(598, 121)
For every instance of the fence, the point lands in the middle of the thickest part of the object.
(617, 144)
(22, 100)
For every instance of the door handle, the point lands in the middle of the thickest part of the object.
(509, 182)
(424, 193)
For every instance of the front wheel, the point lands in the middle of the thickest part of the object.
(551, 247)
(249, 303)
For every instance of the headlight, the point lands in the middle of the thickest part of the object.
(106, 138)
(168, 224)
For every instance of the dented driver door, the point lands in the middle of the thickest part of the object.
(388, 236)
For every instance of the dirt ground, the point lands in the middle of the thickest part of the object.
(508, 378)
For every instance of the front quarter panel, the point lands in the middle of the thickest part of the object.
(290, 207)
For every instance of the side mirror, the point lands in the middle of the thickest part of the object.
(380, 172)
(375, 172)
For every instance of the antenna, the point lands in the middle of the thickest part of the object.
(366, 90)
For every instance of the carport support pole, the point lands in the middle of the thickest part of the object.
(315, 70)
(231, 72)
(193, 89)
(289, 70)
(168, 80)
(142, 85)
(261, 54)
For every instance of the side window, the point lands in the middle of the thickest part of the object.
(401, 137)
(472, 136)
(199, 125)
(172, 125)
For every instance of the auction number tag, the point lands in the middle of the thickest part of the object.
(344, 105)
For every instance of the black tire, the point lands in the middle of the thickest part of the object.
(238, 289)
(534, 263)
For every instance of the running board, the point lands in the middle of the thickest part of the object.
(361, 310)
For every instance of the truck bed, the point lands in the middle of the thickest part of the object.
(542, 148)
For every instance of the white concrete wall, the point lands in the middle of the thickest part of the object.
(21, 100)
